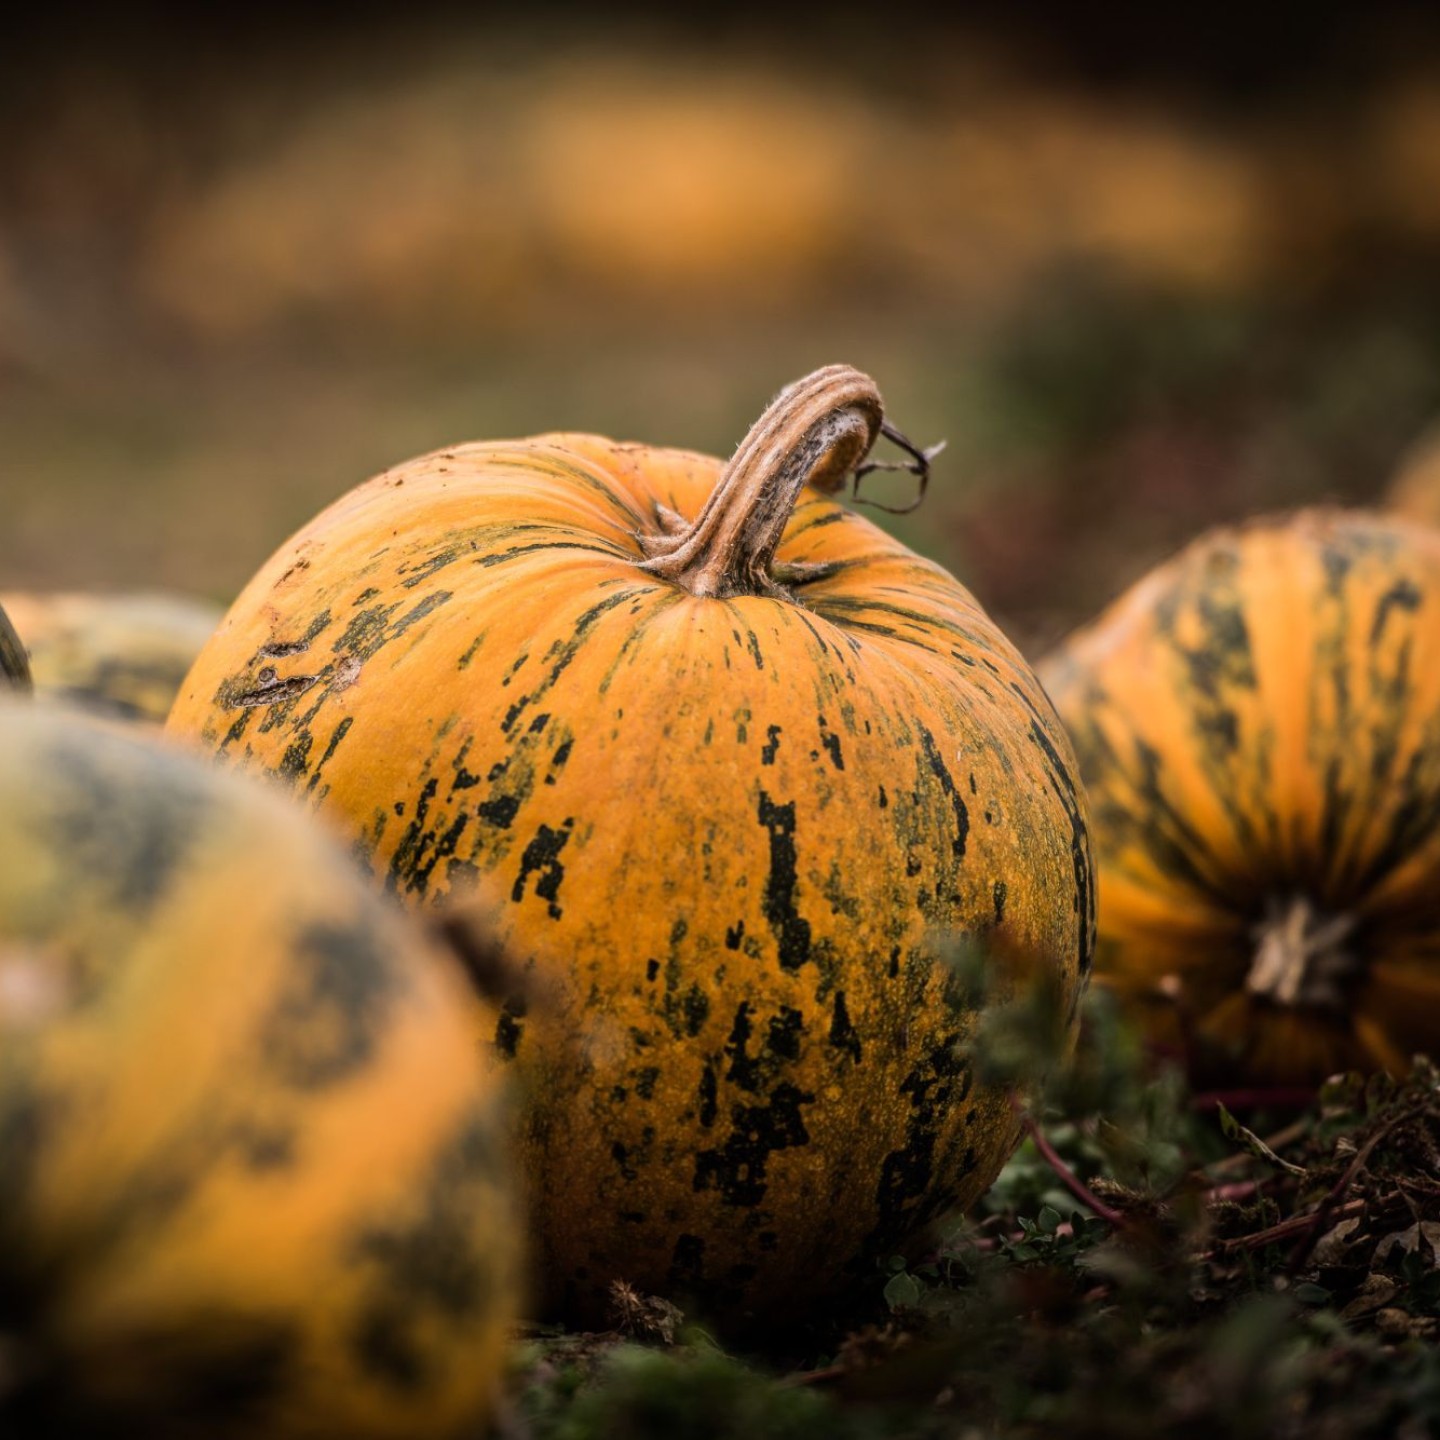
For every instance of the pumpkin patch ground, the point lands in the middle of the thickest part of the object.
(1215, 1279)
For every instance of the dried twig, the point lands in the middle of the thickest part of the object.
(1307, 1240)
(1278, 1141)
(1286, 1228)
(644, 1317)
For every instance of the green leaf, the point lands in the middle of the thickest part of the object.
(1251, 1142)
(903, 1292)
(1048, 1220)
(1310, 1294)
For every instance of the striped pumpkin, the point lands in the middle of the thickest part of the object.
(1258, 726)
(122, 655)
(727, 781)
(251, 1178)
(14, 662)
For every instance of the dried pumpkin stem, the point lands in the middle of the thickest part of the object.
(14, 662)
(1303, 958)
(814, 432)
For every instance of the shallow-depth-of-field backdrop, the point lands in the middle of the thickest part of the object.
(1139, 276)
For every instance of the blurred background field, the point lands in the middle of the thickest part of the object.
(1142, 277)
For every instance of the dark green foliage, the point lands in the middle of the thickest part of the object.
(702, 1394)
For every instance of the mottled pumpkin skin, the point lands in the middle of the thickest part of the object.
(728, 837)
(121, 655)
(1258, 722)
(14, 663)
(252, 1176)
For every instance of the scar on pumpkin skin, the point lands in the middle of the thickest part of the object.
(269, 689)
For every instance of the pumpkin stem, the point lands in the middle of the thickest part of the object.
(814, 432)
(14, 662)
(1302, 957)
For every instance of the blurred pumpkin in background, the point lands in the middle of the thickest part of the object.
(1258, 727)
(1415, 489)
(14, 662)
(120, 654)
(252, 1170)
(454, 203)
(730, 782)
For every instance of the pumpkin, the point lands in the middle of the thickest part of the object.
(14, 662)
(727, 770)
(252, 1171)
(1414, 491)
(122, 655)
(1258, 726)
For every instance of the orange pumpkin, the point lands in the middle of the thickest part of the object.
(727, 779)
(253, 1178)
(1258, 726)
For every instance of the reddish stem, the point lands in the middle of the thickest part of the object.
(816, 1377)
(1242, 1190)
(1068, 1178)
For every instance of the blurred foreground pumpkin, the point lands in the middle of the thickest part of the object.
(251, 1179)
(728, 780)
(122, 655)
(14, 663)
(1258, 726)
